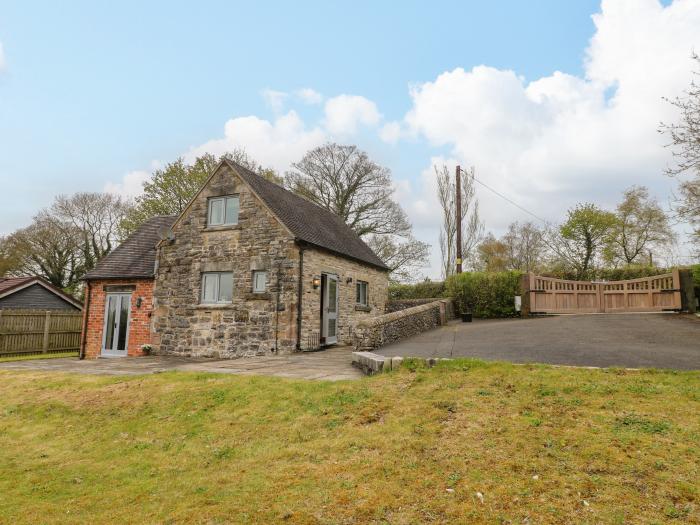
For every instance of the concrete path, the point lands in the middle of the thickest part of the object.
(624, 340)
(330, 365)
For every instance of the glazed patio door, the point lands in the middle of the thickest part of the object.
(329, 328)
(116, 327)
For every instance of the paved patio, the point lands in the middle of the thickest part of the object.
(334, 364)
(606, 340)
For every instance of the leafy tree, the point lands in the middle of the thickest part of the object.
(580, 239)
(492, 255)
(170, 189)
(526, 246)
(641, 227)
(344, 180)
(472, 226)
(49, 248)
(685, 142)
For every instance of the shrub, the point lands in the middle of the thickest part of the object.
(485, 294)
(422, 290)
(631, 271)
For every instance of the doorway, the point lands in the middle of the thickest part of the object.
(115, 339)
(329, 309)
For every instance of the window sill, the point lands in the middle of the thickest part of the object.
(262, 296)
(214, 306)
(362, 308)
(224, 227)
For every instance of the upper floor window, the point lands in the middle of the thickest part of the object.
(361, 296)
(259, 281)
(217, 287)
(223, 211)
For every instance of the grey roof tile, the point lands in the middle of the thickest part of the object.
(309, 222)
(136, 256)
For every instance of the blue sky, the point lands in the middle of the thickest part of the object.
(91, 91)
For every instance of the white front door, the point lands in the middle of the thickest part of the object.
(115, 338)
(329, 325)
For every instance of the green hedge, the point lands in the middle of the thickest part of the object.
(632, 271)
(485, 294)
(423, 290)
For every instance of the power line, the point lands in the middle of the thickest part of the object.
(546, 223)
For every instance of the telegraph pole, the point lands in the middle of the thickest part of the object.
(458, 218)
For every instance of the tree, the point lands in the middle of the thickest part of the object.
(492, 255)
(345, 181)
(404, 258)
(526, 247)
(685, 142)
(96, 217)
(641, 227)
(170, 189)
(49, 248)
(472, 226)
(580, 239)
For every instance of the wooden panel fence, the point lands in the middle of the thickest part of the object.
(647, 294)
(25, 332)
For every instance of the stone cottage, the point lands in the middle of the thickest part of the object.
(248, 268)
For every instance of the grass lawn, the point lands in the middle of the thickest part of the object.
(466, 442)
(37, 356)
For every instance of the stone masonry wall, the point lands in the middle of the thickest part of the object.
(139, 321)
(253, 324)
(349, 272)
(371, 334)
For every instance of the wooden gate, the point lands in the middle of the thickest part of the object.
(547, 295)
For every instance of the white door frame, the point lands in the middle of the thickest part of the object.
(329, 314)
(120, 297)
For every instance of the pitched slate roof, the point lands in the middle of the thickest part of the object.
(309, 222)
(10, 285)
(136, 256)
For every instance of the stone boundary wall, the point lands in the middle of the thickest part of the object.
(396, 305)
(376, 332)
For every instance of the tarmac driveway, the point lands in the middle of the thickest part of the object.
(624, 340)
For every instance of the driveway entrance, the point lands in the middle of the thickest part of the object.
(605, 340)
(558, 296)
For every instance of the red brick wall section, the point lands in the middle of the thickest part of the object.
(140, 322)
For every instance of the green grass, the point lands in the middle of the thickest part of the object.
(465, 442)
(37, 356)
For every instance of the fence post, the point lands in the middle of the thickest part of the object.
(677, 299)
(47, 325)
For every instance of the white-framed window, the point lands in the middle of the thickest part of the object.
(217, 287)
(222, 210)
(361, 295)
(259, 281)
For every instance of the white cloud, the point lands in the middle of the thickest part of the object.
(3, 63)
(274, 99)
(345, 113)
(277, 143)
(391, 132)
(130, 186)
(560, 139)
(309, 96)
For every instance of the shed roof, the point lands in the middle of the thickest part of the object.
(10, 285)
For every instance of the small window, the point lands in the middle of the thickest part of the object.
(217, 287)
(223, 211)
(361, 288)
(259, 281)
